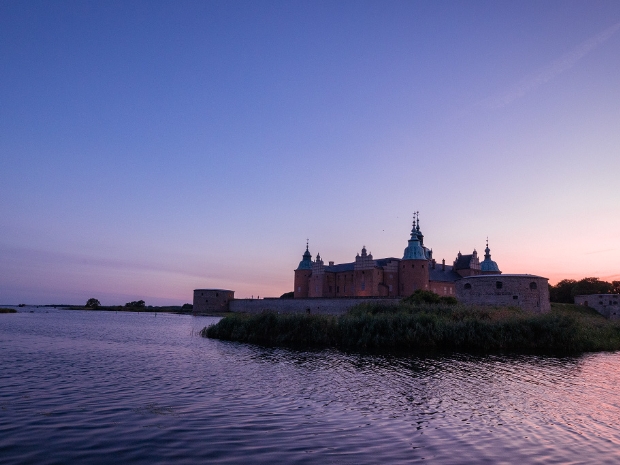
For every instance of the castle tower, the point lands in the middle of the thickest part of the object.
(488, 266)
(413, 272)
(302, 275)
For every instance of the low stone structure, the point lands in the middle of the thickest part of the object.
(607, 305)
(212, 300)
(526, 291)
(323, 306)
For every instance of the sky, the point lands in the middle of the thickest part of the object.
(151, 148)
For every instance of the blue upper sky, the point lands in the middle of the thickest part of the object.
(150, 148)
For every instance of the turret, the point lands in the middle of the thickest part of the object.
(302, 275)
(488, 266)
(413, 272)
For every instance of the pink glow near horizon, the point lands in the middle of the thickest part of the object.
(140, 161)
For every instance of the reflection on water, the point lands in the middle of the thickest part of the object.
(144, 388)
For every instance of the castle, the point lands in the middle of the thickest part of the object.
(334, 289)
(389, 277)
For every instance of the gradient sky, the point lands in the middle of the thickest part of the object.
(151, 148)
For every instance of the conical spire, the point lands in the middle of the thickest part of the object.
(487, 264)
(414, 250)
(306, 261)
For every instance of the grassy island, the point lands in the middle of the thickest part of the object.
(8, 310)
(421, 326)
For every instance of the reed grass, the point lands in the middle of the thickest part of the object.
(8, 310)
(412, 327)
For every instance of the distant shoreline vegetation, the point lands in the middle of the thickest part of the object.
(411, 327)
(124, 308)
(7, 310)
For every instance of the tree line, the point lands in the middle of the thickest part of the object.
(566, 290)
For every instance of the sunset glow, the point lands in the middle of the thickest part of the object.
(151, 148)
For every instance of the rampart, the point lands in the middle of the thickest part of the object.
(323, 306)
(211, 300)
(606, 304)
(528, 292)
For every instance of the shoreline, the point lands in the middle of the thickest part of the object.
(411, 328)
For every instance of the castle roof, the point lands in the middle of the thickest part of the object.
(487, 264)
(306, 262)
(447, 276)
(462, 262)
(341, 267)
(414, 250)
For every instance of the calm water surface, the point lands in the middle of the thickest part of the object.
(101, 387)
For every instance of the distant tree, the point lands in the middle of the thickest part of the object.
(562, 291)
(288, 295)
(187, 307)
(92, 303)
(615, 287)
(591, 286)
(135, 304)
(422, 297)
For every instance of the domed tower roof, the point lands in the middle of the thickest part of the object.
(306, 262)
(487, 264)
(414, 250)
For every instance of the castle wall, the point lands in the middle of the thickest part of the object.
(316, 285)
(413, 276)
(301, 283)
(367, 282)
(345, 283)
(390, 278)
(528, 292)
(442, 288)
(322, 306)
(211, 300)
(607, 305)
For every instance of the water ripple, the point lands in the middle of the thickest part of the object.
(86, 386)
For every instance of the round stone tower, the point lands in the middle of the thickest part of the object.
(302, 275)
(413, 272)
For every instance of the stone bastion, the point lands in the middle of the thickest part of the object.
(526, 291)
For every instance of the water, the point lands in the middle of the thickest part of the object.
(97, 387)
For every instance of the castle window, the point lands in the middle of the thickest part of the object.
(337, 288)
(412, 265)
(498, 284)
(467, 286)
(533, 285)
(515, 297)
(299, 289)
(217, 294)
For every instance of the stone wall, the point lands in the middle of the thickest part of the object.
(528, 292)
(211, 300)
(312, 306)
(607, 305)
